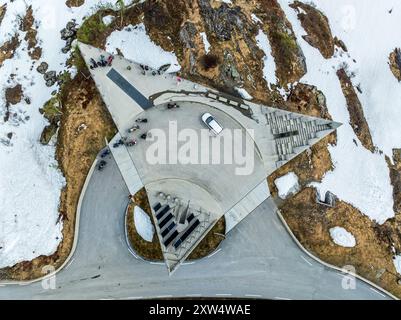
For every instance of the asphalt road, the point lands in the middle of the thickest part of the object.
(257, 260)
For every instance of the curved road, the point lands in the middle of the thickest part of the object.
(258, 260)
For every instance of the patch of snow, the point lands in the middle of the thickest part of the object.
(351, 21)
(205, 41)
(360, 177)
(143, 224)
(287, 185)
(269, 68)
(30, 182)
(397, 263)
(255, 18)
(135, 44)
(244, 94)
(108, 19)
(226, 1)
(342, 237)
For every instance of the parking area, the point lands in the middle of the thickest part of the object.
(191, 153)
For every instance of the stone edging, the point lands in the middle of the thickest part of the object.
(76, 230)
(330, 265)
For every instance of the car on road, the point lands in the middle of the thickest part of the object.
(211, 123)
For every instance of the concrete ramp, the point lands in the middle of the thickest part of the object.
(247, 204)
(126, 166)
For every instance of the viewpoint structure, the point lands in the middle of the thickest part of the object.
(188, 199)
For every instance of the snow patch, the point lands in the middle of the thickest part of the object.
(143, 224)
(360, 177)
(135, 44)
(397, 263)
(205, 41)
(244, 94)
(287, 185)
(269, 68)
(108, 19)
(342, 237)
(255, 18)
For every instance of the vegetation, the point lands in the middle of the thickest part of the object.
(121, 5)
(92, 28)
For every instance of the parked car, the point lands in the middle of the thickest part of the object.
(211, 123)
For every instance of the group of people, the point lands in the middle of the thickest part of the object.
(132, 142)
(103, 62)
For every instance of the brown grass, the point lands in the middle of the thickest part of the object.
(371, 256)
(27, 24)
(317, 28)
(357, 117)
(395, 66)
(74, 3)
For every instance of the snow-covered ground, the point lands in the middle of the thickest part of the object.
(360, 177)
(135, 44)
(243, 93)
(30, 182)
(107, 19)
(397, 263)
(205, 41)
(143, 225)
(287, 185)
(269, 68)
(342, 237)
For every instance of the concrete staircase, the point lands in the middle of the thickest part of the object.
(294, 133)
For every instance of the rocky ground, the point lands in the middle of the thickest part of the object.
(395, 63)
(234, 60)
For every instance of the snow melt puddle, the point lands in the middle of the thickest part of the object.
(135, 44)
(30, 182)
(359, 177)
(342, 237)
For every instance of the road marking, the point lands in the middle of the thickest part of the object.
(157, 263)
(69, 263)
(252, 295)
(106, 299)
(378, 292)
(193, 295)
(280, 298)
(213, 253)
(164, 296)
(131, 298)
(187, 263)
(306, 261)
(223, 294)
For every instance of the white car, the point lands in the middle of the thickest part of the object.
(212, 124)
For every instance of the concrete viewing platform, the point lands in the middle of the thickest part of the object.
(188, 195)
